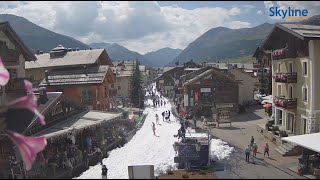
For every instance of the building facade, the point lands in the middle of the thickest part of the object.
(295, 61)
(83, 76)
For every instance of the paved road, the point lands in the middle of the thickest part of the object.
(238, 168)
(238, 136)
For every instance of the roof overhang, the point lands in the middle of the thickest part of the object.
(308, 141)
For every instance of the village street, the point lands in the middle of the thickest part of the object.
(239, 136)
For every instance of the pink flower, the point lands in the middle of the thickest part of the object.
(28, 102)
(29, 147)
(4, 74)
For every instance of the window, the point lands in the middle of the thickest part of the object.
(290, 91)
(279, 90)
(305, 94)
(112, 85)
(280, 117)
(279, 65)
(119, 87)
(290, 67)
(304, 121)
(304, 68)
(86, 94)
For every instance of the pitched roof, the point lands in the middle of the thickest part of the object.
(206, 73)
(76, 76)
(198, 77)
(82, 57)
(27, 53)
(300, 31)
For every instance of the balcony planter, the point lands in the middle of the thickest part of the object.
(283, 134)
(275, 130)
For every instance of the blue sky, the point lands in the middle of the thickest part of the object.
(145, 26)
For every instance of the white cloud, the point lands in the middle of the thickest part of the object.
(259, 12)
(238, 24)
(235, 11)
(140, 26)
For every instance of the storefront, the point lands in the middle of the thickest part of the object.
(309, 162)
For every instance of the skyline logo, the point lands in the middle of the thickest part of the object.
(289, 14)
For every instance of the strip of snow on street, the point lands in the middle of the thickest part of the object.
(146, 149)
(143, 149)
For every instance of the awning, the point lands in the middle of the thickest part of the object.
(308, 141)
(267, 99)
(78, 122)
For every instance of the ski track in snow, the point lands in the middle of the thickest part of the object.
(143, 149)
(146, 149)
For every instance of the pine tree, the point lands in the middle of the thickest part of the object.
(136, 87)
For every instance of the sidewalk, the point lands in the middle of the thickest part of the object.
(239, 135)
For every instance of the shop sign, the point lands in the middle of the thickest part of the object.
(205, 90)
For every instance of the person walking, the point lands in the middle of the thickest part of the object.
(195, 122)
(266, 149)
(163, 115)
(154, 128)
(254, 149)
(247, 151)
(100, 154)
(104, 172)
(157, 119)
(169, 115)
(161, 102)
(252, 141)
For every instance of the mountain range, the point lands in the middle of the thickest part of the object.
(117, 52)
(221, 43)
(157, 58)
(36, 37)
(217, 44)
(225, 45)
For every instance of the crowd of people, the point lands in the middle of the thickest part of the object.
(66, 153)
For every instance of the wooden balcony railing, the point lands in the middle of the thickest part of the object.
(256, 65)
(285, 103)
(15, 86)
(285, 77)
(280, 54)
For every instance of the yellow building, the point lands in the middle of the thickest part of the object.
(295, 51)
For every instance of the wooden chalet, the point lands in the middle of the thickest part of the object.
(83, 76)
(13, 53)
(169, 81)
(87, 86)
(207, 87)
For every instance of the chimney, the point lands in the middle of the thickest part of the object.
(46, 74)
(37, 51)
(43, 95)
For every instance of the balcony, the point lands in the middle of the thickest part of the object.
(285, 77)
(256, 65)
(285, 103)
(15, 86)
(280, 54)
